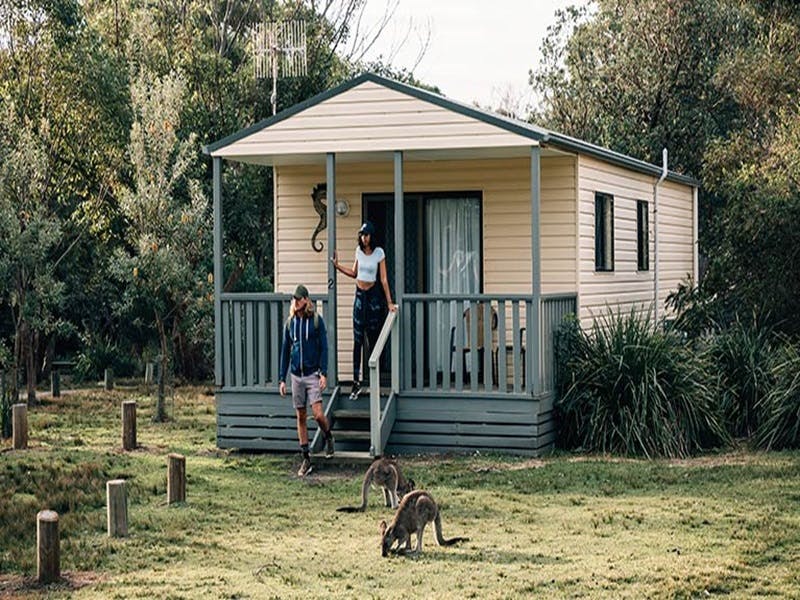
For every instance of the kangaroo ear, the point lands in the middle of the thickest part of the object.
(411, 484)
(382, 527)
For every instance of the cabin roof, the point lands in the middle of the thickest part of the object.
(293, 135)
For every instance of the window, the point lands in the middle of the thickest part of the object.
(642, 236)
(603, 232)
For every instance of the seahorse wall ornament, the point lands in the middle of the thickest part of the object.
(317, 196)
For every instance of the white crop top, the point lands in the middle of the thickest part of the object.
(368, 264)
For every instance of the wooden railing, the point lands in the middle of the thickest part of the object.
(252, 333)
(382, 416)
(477, 343)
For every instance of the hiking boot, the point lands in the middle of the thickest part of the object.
(305, 468)
(355, 391)
(329, 447)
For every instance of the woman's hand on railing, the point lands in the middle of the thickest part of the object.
(393, 307)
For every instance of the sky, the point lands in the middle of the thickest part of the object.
(479, 50)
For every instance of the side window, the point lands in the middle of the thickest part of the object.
(603, 232)
(642, 236)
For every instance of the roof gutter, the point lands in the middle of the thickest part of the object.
(664, 173)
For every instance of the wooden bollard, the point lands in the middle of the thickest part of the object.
(176, 478)
(129, 425)
(48, 555)
(148, 373)
(55, 384)
(108, 380)
(19, 422)
(117, 508)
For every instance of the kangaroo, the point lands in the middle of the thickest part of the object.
(383, 472)
(416, 510)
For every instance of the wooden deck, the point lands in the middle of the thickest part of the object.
(447, 399)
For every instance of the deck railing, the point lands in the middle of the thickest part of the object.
(252, 333)
(439, 334)
(477, 343)
(381, 420)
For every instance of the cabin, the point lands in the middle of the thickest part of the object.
(494, 231)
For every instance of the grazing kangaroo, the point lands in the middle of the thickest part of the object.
(416, 510)
(385, 473)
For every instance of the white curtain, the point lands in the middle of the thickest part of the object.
(453, 241)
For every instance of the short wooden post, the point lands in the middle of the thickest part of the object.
(55, 384)
(148, 373)
(117, 508)
(48, 555)
(129, 425)
(176, 478)
(108, 379)
(20, 425)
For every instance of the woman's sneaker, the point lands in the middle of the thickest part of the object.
(305, 468)
(355, 391)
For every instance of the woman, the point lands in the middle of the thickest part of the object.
(368, 305)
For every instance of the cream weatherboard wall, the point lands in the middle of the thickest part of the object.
(505, 187)
(626, 287)
(370, 118)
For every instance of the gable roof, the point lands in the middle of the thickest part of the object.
(474, 126)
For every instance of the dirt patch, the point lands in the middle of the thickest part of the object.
(16, 586)
(533, 463)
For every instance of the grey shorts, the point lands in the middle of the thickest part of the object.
(305, 387)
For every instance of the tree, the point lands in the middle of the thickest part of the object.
(638, 76)
(29, 236)
(166, 215)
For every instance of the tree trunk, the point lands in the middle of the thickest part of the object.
(160, 415)
(31, 365)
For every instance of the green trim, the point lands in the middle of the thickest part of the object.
(533, 132)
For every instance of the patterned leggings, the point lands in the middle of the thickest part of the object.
(368, 313)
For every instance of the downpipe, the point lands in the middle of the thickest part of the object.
(664, 172)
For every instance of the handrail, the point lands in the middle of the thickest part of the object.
(375, 418)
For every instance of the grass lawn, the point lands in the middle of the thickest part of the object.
(722, 525)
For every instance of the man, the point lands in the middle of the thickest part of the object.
(305, 354)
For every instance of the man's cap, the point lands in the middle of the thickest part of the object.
(367, 227)
(300, 291)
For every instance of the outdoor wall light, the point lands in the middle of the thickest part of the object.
(342, 207)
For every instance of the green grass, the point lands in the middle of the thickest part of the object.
(720, 525)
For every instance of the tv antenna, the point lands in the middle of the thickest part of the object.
(279, 50)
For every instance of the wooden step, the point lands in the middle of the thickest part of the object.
(350, 434)
(350, 413)
(345, 457)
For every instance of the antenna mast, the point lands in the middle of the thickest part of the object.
(279, 50)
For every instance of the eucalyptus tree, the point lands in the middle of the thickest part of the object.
(29, 239)
(166, 216)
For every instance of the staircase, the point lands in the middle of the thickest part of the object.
(350, 428)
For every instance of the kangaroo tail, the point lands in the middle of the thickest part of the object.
(364, 491)
(350, 509)
(440, 539)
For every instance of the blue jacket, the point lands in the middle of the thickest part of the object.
(305, 343)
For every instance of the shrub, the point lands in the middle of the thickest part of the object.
(741, 356)
(779, 410)
(628, 387)
(98, 354)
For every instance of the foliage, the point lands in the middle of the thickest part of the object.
(741, 356)
(633, 389)
(779, 411)
(96, 355)
(638, 76)
(168, 232)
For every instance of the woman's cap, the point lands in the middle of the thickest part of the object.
(300, 292)
(367, 227)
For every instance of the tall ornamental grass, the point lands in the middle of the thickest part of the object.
(628, 387)
(741, 355)
(779, 410)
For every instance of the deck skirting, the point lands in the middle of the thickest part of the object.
(253, 420)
